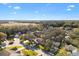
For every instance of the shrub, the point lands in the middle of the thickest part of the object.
(62, 52)
(75, 37)
(26, 37)
(2, 36)
(41, 47)
(26, 52)
(1, 49)
(76, 31)
(75, 42)
(26, 42)
(13, 47)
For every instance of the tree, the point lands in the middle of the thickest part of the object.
(2, 38)
(53, 39)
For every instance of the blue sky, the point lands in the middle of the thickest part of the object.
(39, 11)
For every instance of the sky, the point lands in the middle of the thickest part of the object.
(39, 11)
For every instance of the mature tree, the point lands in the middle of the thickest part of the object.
(53, 39)
(2, 38)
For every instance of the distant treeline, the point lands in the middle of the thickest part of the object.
(40, 27)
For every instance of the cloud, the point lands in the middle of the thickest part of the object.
(17, 7)
(69, 9)
(71, 6)
(9, 6)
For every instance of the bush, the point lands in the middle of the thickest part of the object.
(1, 49)
(62, 52)
(26, 42)
(27, 36)
(75, 37)
(41, 47)
(76, 31)
(26, 52)
(75, 42)
(2, 36)
(13, 47)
